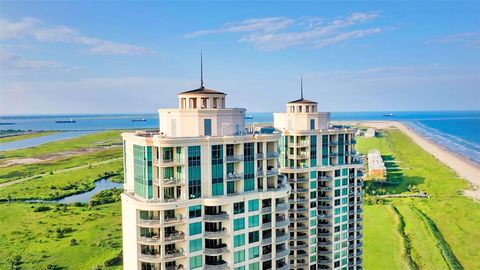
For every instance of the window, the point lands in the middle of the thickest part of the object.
(195, 245)
(239, 240)
(238, 208)
(238, 224)
(217, 170)
(253, 237)
(253, 221)
(194, 172)
(312, 124)
(254, 266)
(252, 205)
(253, 252)
(195, 211)
(239, 256)
(196, 262)
(207, 124)
(240, 268)
(195, 228)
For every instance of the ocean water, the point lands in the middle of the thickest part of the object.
(458, 131)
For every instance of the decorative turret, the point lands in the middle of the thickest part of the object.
(302, 105)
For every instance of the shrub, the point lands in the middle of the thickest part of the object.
(73, 242)
(117, 260)
(41, 209)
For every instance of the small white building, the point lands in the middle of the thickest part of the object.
(370, 133)
(376, 166)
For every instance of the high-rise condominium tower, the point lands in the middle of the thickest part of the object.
(204, 193)
(320, 163)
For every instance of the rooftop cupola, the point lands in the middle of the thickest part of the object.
(201, 98)
(302, 105)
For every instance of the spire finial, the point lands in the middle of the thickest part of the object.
(201, 69)
(301, 86)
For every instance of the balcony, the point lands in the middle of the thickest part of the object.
(285, 266)
(267, 239)
(332, 154)
(324, 261)
(234, 158)
(170, 162)
(216, 250)
(266, 225)
(282, 238)
(324, 244)
(272, 172)
(149, 222)
(281, 207)
(282, 223)
(271, 155)
(303, 144)
(334, 143)
(150, 258)
(234, 176)
(324, 252)
(173, 220)
(219, 265)
(324, 207)
(173, 182)
(299, 190)
(324, 198)
(298, 180)
(260, 173)
(282, 253)
(299, 228)
(301, 200)
(324, 234)
(326, 178)
(174, 237)
(300, 219)
(267, 256)
(154, 240)
(172, 254)
(300, 236)
(216, 217)
(267, 209)
(324, 216)
(299, 210)
(324, 188)
(216, 234)
(300, 246)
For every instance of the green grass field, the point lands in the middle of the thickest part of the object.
(383, 245)
(456, 216)
(35, 236)
(25, 136)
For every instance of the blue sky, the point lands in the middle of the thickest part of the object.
(108, 57)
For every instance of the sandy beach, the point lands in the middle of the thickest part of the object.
(464, 167)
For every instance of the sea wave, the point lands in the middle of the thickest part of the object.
(468, 149)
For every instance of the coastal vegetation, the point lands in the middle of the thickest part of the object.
(443, 229)
(15, 135)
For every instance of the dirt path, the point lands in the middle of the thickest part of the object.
(3, 185)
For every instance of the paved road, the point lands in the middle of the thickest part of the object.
(3, 185)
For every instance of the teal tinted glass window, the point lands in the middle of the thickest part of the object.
(253, 221)
(196, 262)
(252, 205)
(239, 256)
(239, 224)
(195, 211)
(238, 208)
(253, 237)
(195, 228)
(239, 240)
(254, 266)
(195, 245)
(253, 252)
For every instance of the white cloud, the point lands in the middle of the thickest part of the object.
(275, 33)
(35, 29)
(467, 39)
(11, 63)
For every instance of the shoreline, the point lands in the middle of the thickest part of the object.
(464, 167)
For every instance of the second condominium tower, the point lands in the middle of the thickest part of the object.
(320, 163)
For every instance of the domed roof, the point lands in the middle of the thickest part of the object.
(302, 100)
(202, 90)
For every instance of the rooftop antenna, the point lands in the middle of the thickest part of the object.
(301, 87)
(201, 69)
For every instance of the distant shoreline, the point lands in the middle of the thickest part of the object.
(463, 166)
